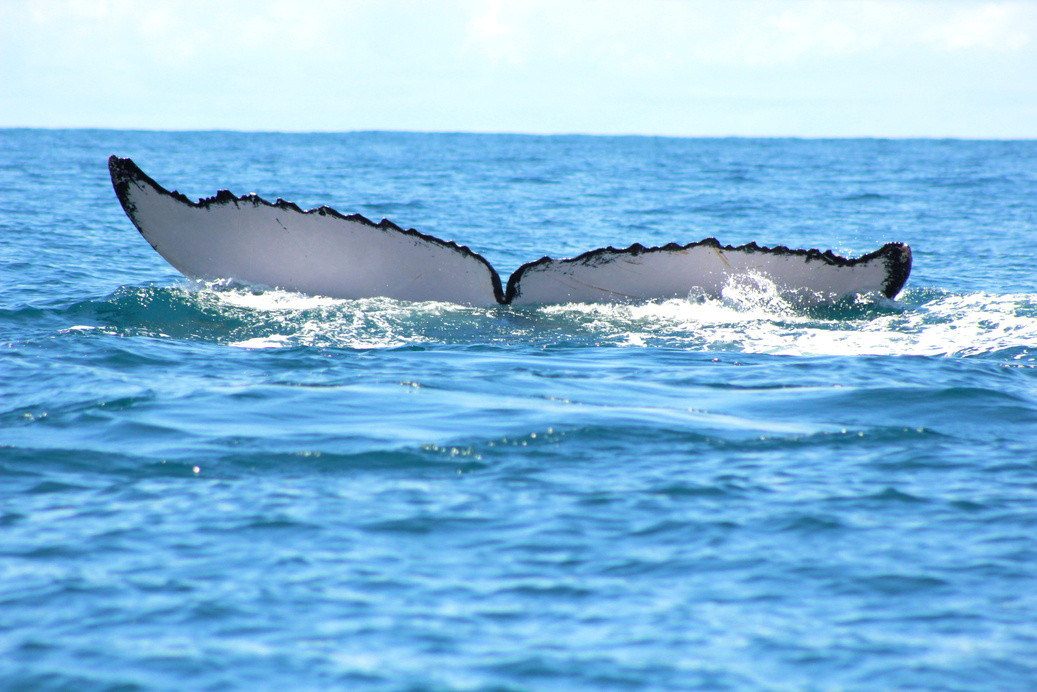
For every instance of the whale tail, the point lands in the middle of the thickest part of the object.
(322, 252)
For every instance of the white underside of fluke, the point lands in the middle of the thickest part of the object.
(701, 269)
(317, 253)
(322, 252)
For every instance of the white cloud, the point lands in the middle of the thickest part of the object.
(991, 26)
(488, 33)
(749, 33)
(662, 66)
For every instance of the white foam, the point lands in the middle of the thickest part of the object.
(272, 300)
(297, 319)
(763, 322)
(272, 341)
(752, 316)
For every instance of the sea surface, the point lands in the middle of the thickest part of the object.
(220, 487)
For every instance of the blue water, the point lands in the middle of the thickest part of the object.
(214, 487)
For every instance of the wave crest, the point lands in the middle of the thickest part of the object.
(752, 316)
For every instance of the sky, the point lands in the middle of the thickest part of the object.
(805, 68)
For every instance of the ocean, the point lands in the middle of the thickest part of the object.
(218, 487)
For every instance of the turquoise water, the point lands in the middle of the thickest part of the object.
(214, 487)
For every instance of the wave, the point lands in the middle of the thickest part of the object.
(751, 316)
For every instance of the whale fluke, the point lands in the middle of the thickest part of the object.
(322, 252)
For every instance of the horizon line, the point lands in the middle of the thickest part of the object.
(505, 133)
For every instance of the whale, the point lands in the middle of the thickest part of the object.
(249, 240)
